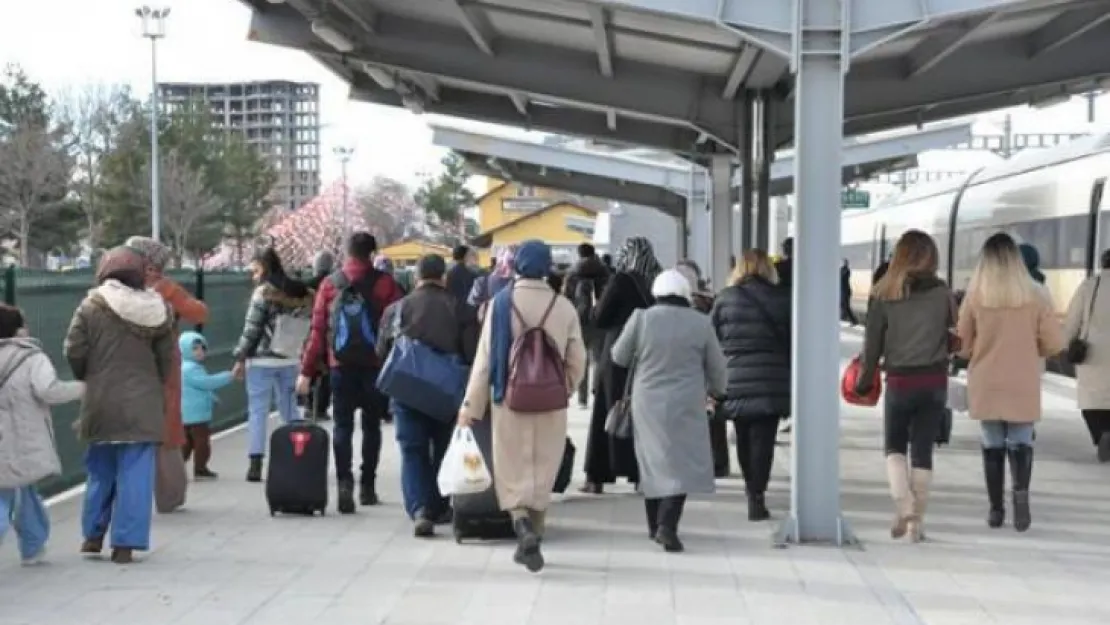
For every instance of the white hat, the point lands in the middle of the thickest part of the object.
(671, 283)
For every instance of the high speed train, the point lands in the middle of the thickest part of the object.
(1052, 199)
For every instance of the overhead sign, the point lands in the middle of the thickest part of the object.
(855, 198)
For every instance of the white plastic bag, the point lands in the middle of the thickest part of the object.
(464, 470)
(957, 395)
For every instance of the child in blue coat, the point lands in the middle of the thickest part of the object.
(198, 398)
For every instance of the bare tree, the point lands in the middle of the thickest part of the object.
(93, 117)
(389, 208)
(188, 207)
(34, 178)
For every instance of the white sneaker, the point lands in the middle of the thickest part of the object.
(37, 559)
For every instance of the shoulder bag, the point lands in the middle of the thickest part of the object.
(1078, 346)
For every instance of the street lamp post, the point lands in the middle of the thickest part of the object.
(344, 153)
(154, 28)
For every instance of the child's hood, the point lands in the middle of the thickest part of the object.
(186, 342)
(14, 351)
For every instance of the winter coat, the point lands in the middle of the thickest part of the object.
(431, 315)
(198, 387)
(1093, 376)
(584, 284)
(29, 387)
(1004, 347)
(676, 363)
(267, 303)
(121, 344)
(909, 336)
(190, 310)
(528, 448)
(752, 320)
(386, 291)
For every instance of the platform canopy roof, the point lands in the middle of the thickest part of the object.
(668, 73)
(665, 185)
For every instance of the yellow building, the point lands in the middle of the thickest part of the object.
(406, 252)
(509, 213)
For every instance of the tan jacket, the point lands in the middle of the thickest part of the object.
(121, 344)
(1005, 347)
(528, 449)
(1093, 324)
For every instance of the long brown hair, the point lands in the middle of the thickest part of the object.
(915, 253)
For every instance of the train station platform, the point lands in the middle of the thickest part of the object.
(224, 561)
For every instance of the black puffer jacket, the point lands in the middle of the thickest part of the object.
(758, 355)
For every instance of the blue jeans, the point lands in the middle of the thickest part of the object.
(264, 384)
(23, 509)
(119, 493)
(354, 389)
(999, 434)
(423, 441)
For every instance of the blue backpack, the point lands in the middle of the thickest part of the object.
(354, 320)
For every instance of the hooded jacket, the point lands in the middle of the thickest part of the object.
(29, 387)
(266, 305)
(121, 344)
(198, 387)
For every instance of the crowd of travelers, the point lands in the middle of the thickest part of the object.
(667, 362)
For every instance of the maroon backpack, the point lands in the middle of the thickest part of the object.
(537, 372)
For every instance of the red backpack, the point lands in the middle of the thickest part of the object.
(537, 372)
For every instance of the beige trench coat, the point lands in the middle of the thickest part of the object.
(528, 448)
(1006, 348)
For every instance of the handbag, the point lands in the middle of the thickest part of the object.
(1078, 346)
(422, 378)
(849, 381)
(618, 423)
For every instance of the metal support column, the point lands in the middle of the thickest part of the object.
(820, 59)
(742, 239)
(720, 218)
(682, 223)
(697, 214)
(765, 156)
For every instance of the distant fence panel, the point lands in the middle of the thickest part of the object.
(48, 300)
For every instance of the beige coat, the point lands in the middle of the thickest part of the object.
(1005, 347)
(528, 448)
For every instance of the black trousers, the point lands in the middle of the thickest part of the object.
(755, 450)
(664, 512)
(319, 396)
(911, 419)
(1098, 423)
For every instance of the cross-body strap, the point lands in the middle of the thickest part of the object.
(765, 314)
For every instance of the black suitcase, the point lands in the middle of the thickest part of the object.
(566, 469)
(297, 477)
(479, 516)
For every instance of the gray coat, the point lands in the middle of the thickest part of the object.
(677, 363)
(30, 386)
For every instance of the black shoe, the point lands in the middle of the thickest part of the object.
(994, 473)
(651, 511)
(527, 546)
(1104, 447)
(367, 496)
(254, 472)
(668, 539)
(346, 498)
(206, 474)
(422, 526)
(757, 508)
(592, 488)
(1021, 471)
(444, 518)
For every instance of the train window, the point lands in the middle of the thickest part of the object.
(1103, 232)
(1073, 243)
(1041, 234)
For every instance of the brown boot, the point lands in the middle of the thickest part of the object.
(897, 474)
(919, 485)
(123, 555)
(92, 546)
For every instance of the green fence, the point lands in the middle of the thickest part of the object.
(48, 300)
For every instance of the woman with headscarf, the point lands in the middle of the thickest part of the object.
(629, 289)
(485, 287)
(121, 344)
(678, 363)
(527, 448)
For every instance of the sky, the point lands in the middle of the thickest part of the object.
(65, 44)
